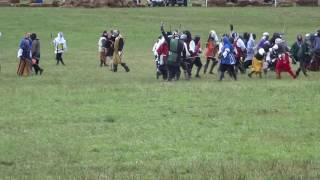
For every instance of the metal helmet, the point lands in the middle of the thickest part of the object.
(183, 37)
(115, 33)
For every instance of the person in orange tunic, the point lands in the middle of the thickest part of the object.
(212, 48)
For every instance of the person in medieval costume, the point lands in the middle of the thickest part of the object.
(308, 51)
(283, 60)
(102, 48)
(267, 60)
(109, 49)
(60, 46)
(196, 56)
(257, 63)
(162, 56)
(275, 35)
(187, 59)
(176, 47)
(240, 52)
(118, 51)
(24, 53)
(315, 63)
(193, 51)
(299, 51)
(157, 59)
(35, 54)
(250, 51)
(212, 47)
(263, 40)
(227, 59)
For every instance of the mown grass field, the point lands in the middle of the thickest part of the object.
(85, 122)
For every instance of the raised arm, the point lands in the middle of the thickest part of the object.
(167, 39)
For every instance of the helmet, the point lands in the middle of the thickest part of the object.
(175, 34)
(213, 35)
(265, 34)
(115, 33)
(307, 36)
(183, 37)
(278, 41)
(33, 36)
(261, 51)
(235, 35)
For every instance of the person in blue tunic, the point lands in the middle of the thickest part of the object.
(227, 59)
(24, 54)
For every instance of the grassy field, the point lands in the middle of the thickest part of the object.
(81, 121)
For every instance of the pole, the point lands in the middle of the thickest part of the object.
(207, 3)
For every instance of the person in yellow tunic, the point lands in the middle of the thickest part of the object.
(257, 63)
(118, 51)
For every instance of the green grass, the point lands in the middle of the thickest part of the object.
(85, 122)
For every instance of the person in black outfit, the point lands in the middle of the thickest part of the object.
(35, 52)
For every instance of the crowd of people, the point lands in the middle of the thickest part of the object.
(29, 53)
(179, 52)
(110, 46)
(175, 52)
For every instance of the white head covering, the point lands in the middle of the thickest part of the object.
(60, 34)
(261, 51)
(214, 35)
(265, 34)
(57, 43)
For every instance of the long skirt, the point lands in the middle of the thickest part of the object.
(256, 65)
(24, 67)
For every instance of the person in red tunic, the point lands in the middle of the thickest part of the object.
(162, 52)
(283, 60)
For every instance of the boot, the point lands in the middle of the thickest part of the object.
(212, 66)
(205, 68)
(158, 74)
(221, 76)
(125, 67)
(198, 71)
(178, 76)
(278, 76)
(298, 72)
(115, 67)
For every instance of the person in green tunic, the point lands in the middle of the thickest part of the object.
(176, 54)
